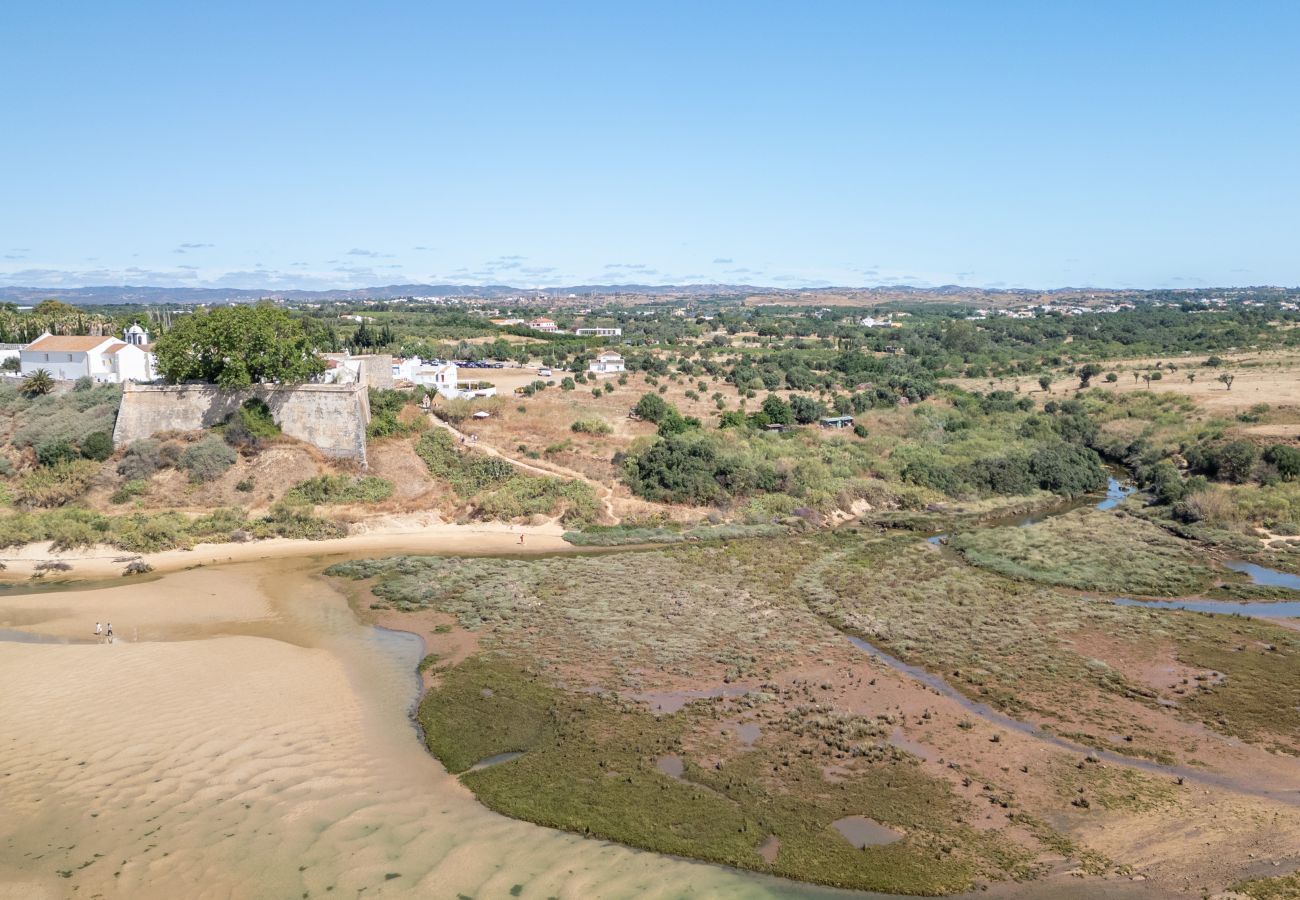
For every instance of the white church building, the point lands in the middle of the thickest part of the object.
(100, 357)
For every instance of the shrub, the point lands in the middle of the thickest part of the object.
(98, 446)
(137, 567)
(1233, 461)
(591, 426)
(142, 459)
(341, 489)
(129, 491)
(66, 417)
(250, 426)
(246, 485)
(84, 383)
(207, 460)
(1067, 469)
(289, 521)
(652, 407)
(169, 454)
(467, 473)
(385, 405)
(1285, 459)
(806, 410)
(574, 500)
(54, 452)
(55, 485)
(677, 469)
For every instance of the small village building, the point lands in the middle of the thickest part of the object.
(543, 325)
(101, 357)
(598, 331)
(445, 379)
(607, 363)
(835, 421)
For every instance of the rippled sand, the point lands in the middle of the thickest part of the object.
(246, 737)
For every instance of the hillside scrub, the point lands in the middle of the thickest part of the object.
(386, 406)
(72, 528)
(56, 484)
(207, 460)
(498, 490)
(68, 418)
(327, 489)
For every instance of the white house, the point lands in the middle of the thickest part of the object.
(442, 377)
(607, 363)
(101, 357)
(598, 332)
(543, 325)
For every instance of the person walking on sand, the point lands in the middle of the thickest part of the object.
(521, 538)
(99, 629)
(108, 633)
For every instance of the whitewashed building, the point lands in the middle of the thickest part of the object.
(607, 363)
(101, 357)
(598, 331)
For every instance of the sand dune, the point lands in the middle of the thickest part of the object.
(274, 761)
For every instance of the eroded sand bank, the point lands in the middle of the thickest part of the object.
(247, 737)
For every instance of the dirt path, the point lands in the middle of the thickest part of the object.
(546, 470)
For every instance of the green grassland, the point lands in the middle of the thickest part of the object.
(1091, 550)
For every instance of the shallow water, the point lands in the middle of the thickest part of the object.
(1283, 609)
(270, 754)
(1116, 493)
(1265, 576)
(863, 832)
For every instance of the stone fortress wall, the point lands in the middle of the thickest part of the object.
(331, 417)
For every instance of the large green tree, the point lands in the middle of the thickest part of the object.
(235, 346)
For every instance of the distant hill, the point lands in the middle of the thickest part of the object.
(88, 296)
(634, 293)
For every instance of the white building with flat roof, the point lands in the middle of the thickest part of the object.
(607, 363)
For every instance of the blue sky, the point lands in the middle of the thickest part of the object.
(330, 144)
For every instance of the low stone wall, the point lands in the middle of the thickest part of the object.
(330, 417)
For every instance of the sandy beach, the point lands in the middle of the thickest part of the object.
(386, 536)
(247, 737)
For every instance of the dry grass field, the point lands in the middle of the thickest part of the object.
(1271, 377)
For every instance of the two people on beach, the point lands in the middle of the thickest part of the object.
(100, 631)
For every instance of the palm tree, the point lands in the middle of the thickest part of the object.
(38, 383)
